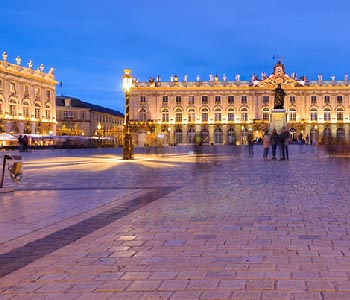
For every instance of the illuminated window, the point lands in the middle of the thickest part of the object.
(327, 114)
(217, 99)
(313, 114)
(205, 115)
(218, 115)
(12, 87)
(191, 100)
(67, 115)
(266, 114)
(26, 105)
(327, 99)
(340, 114)
(231, 115)
(292, 114)
(204, 99)
(165, 99)
(178, 115)
(191, 115)
(244, 114)
(165, 115)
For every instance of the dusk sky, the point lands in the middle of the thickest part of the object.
(91, 42)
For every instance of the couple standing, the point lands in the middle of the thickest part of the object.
(276, 140)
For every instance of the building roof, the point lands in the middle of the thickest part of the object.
(75, 102)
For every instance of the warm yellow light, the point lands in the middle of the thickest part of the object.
(127, 80)
(98, 126)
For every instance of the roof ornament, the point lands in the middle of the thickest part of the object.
(4, 56)
(18, 60)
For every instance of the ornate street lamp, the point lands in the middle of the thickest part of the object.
(128, 148)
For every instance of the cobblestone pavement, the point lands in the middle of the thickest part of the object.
(84, 224)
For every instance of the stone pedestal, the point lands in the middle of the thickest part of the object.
(278, 119)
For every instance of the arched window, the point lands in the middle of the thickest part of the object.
(217, 115)
(191, 136)
(340, 137)
(266, 114)
(178, 115)
(231, 114)
(327, 114)
(231, 136)
(205, 136)
(178, 136)
(313, 114)
(340, 114)
(205, 115)
(218, 136)
(191, 115)
(165, 115)
(292, 115)
(142, 115)
(327, 135)
(1, 105)
(244, 114)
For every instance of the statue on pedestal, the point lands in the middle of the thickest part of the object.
(279, 97)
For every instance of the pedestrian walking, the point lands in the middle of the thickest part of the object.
(274, 143)
(266, 144)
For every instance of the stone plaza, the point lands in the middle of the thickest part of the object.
(170, 224)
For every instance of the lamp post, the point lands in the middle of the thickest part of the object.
(128, 148)
(99, 133)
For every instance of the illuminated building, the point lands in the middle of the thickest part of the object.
(79, 118)
(223, 111)
(27, 98)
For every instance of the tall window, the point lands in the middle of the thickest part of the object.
(313, 99)
(26, 109)
(191, 135)
(191, 100)
(339, 100)
(327, 114)
(340, 114)
(244, 99)
(165, 99)
(26, 90)
(217, 115)
(327, 99)
(292, 99)
(37, 92)
(178, 136)
(218, 137)
(217, 99)
(143, 115)
(1, 107)
(231, 99)
(231, 114)
(178, 99)
(0, 85)
(165, 115)
(191, 115)
(313, 114)
(266, 114)
(265, 100)
(205, 115)
(178, 116)
(143, 99)
(292, 114)
(244, 114)
(13, 107)
(47, 111)
(48, 94)
(204, 99)
(12, 87)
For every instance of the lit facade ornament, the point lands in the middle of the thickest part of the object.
(4, 56)
(18, 60)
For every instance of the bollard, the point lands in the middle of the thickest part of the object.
(15, 169)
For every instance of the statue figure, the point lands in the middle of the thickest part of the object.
(279, 97)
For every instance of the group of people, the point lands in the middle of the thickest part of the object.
(22, 143)
(276, 140)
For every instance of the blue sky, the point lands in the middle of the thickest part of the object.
(91, 42)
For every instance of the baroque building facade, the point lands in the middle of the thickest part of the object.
(220, 111)
(79, 118)
(27, 98)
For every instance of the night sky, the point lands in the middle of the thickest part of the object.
(91, 42)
